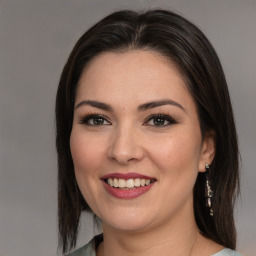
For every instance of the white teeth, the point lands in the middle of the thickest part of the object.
(121, 183)
(115, 182)
(137, 182)
(110, 182)
(130, 183)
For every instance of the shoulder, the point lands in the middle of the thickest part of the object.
(227, 252)
(88, 249)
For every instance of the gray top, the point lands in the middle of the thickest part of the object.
(89, 249)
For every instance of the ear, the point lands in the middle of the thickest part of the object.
(207, 151)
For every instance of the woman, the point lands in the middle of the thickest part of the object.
(146, 139)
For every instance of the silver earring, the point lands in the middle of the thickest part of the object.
(208, 191)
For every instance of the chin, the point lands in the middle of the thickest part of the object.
(129, 221)
(126, 226)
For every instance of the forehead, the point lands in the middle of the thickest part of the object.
(147, 61)
(134, 75)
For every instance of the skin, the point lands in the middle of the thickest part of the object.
(127, 140)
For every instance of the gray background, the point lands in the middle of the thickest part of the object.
(35, 40)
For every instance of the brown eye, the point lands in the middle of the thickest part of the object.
(160, 120)
(95, 120)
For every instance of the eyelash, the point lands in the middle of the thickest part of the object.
(85, 120)
(161, 117)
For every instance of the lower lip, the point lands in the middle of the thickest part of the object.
(127, 193)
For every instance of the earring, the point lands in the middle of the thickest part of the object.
(208, 191)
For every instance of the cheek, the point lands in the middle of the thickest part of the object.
(178, 162)
(177, 154)
(86, 157)
(85, 152)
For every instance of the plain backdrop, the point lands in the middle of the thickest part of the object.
(36, 38)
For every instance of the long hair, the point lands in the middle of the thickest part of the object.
(185, 45)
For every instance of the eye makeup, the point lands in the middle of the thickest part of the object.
(94, 119)
(159, 120)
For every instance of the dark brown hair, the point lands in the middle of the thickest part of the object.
(185, 45)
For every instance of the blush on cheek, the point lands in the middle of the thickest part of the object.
(84, 162)
(86, 158)
(181, 154)
(79, 149)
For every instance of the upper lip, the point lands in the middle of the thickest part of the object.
(126, 176)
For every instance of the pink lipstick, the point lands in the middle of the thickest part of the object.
(127, 185)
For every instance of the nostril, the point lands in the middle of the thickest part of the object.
(124, 148)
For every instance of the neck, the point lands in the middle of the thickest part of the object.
(178, 237)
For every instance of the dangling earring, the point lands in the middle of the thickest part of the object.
(208, 191)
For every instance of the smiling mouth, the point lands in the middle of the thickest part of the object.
(129, 183)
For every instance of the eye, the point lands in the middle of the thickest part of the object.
(160, 120)
(94, 120)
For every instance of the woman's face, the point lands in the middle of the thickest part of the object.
(136, 141)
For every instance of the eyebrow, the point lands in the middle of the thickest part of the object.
(95, 104)
(154, 104)
(143, 107)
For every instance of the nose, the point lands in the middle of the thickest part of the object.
(125, 146)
